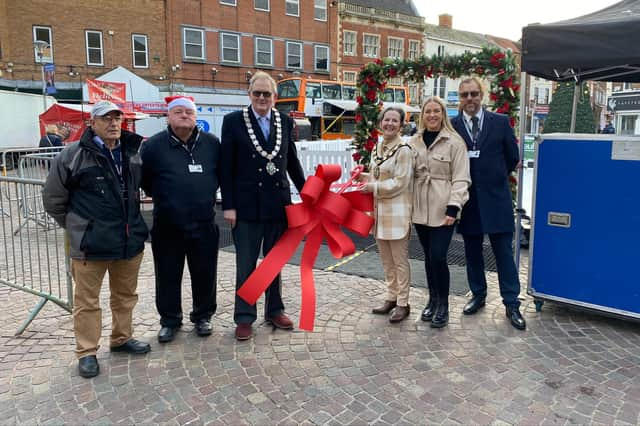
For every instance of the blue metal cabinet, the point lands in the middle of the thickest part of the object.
(585, 248)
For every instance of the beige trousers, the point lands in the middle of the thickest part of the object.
(87, 314)
(395, 261)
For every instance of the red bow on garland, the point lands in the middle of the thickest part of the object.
(318, 217)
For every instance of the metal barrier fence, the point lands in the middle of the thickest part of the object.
(10, 157)
(33, 258)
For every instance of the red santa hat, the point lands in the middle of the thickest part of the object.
(179, 100)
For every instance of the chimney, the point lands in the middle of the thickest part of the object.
(445, 20)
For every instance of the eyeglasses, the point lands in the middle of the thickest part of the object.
(110, 118)
(473, 93)
(258, 93)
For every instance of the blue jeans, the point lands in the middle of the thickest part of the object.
(507, 272)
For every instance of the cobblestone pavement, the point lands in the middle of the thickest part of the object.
(568, 367)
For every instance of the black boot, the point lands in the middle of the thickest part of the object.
(441, 317)
(429, 310)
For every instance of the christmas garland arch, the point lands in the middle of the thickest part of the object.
(491, 63)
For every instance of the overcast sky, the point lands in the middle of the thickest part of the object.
(506, 18)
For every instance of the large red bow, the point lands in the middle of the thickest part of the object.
(319, 216)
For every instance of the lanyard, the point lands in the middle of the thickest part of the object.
(474, 141)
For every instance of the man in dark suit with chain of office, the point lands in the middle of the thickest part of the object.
(257, 153)
(493, 155)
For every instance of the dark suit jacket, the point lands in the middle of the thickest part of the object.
(489, 209)
(246, 186)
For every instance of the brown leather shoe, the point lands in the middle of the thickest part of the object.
(384, 309)
(281, 321)
(400, 313)
(243, 331)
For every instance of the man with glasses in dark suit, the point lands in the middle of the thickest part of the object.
(493, 155)
(257, 154)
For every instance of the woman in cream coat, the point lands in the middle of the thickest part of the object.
(441, 184)
(390, 180)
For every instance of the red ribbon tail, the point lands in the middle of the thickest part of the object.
(308, 303)
(270, 266)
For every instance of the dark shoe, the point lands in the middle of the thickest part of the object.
(516, 319)
(384, 309)
(429, 310)
(203, 328)
(243, 331)
(88, 366)
(400, 313)
(167, 334)
(474, 305)
(441, 318)
(132, 346)
(281, 321)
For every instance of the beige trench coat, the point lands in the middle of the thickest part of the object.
(441, 177)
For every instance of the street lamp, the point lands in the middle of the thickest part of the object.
(41, 46)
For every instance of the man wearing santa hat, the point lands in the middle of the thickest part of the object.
(180, 173)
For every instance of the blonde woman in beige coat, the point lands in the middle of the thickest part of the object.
(441, 184)
(390, 180)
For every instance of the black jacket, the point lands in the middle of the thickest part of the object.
(489, 209)
(246, 186)
(82, 193)
(183, 197)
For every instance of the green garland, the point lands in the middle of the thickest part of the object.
(499, 66)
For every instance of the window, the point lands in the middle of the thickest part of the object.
(441, 50)
(395, 81)
(349, 92)
(93, 41)
(413, 94)
(370, 45)
(321, 58)
(193, 47)
(440, 87)
(261, 5)
(331, 91)
(313, 90)
(43, 34)
(230, 49)
(228, 2)
(349, 43)
(349, 76)
(396, 48)
(140, 51)
(414, 47)
(264, 51)
(320, 10)
(292, 7)
(294, 55)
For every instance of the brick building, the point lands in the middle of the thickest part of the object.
(370, 29)
(84, 40)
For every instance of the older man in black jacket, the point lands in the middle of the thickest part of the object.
(258, 152)
(180, 172)
(93, 192)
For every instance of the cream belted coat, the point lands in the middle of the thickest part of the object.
(392, 190)
(441, 177)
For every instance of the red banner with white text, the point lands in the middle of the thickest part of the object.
(106, 91)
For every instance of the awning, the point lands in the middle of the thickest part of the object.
(345, 105)
(352, 105)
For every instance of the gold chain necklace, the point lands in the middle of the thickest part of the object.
(270, 167)
(379, 160)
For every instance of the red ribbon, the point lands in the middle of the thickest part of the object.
(318, 217)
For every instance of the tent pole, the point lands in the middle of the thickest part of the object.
(576, 92)
(523, 129)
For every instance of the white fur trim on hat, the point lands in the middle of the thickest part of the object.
(183, 102)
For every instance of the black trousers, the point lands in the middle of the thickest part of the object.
(508, 278)
(170, 247)
(435, 242)
(248, 237)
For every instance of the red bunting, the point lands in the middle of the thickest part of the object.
(318, 217)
